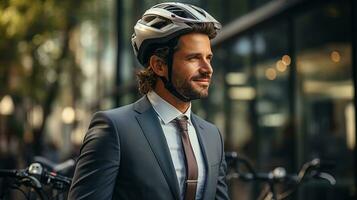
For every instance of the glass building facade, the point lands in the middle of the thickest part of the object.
(290, 92)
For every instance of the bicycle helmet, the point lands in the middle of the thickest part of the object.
(159, 26)
(163, 22)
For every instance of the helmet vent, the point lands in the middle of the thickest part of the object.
(156, 22)
(179, 12)
(148, 19)
(160, 24)
(198, 10)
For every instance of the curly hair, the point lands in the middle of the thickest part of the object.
(147, 78)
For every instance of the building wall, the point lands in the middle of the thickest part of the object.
(289, 94)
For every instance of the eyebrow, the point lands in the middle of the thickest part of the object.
(196, 54)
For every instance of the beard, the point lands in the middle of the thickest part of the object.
(189, 89)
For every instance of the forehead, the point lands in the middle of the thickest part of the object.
(195, 43)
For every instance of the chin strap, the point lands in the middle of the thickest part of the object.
(171, 88)
(168, 83)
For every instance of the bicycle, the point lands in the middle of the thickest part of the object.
(35, 182)
(310, 170)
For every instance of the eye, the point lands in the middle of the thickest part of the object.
(193, 57)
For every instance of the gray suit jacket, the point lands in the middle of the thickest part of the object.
(125, 156)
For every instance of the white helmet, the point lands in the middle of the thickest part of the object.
(163, 22)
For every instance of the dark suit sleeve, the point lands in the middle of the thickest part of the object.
(222, 189)
(98, 164)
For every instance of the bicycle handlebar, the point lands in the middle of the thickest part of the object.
(278, 175)
(60, 182)
(35, 169)
(35, 176)
(57, 167)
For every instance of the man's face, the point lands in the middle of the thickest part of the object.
(192, 71)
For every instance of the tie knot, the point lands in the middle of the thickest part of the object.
(181, 123)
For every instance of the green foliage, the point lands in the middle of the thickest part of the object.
(32, 33)
(35, 51)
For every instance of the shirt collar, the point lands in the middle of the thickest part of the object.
(165, 110)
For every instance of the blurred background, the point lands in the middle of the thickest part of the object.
(283, 90)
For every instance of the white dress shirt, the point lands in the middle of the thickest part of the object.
(166, 114)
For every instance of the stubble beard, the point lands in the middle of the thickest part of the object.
(189, 90)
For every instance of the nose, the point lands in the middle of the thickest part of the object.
(206, 66)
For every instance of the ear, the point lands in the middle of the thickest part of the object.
(158, 65)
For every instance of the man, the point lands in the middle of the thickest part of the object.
(156, 148)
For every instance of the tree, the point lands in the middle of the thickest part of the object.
(35, 51)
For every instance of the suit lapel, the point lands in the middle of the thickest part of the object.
(203, 140)
(152, 130)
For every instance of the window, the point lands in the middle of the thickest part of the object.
(325, 94)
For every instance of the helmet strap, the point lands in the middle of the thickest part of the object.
(168, 83)
(171, 88)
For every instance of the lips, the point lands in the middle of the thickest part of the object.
(205, 80)
(202, 78)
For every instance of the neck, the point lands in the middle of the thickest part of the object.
(170, 98)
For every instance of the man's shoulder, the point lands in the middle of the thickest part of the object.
(126, 110)
(122, 110)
